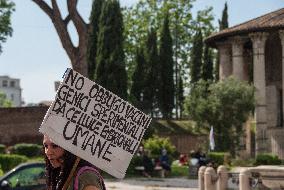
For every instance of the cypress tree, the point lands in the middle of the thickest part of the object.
(136, 91)
(223, 23)
(166, 90)
(207, 69)
(93, 37)
(152, 74)
(111, 71)
(196, 57)
(180, 96)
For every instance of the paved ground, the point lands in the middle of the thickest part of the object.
(152, 184)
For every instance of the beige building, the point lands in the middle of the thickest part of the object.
(254, 51)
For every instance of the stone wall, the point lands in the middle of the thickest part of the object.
(186, 143)
(21, 124)
(277, 141)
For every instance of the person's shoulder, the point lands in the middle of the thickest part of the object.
(89, 178)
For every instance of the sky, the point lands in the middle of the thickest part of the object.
(34, 53)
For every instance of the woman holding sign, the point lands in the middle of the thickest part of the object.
(65, 171)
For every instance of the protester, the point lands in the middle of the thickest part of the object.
(59, 170)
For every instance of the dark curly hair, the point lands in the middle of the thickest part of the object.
(56, 177)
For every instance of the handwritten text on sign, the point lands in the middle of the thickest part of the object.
(95, 124)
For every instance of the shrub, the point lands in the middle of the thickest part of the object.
(2, 148)
(242, 162)
(267, 159)
(1, 171)
(9, 161)
(218, 157)
(29, 150)
(156, 144)
(179, 171)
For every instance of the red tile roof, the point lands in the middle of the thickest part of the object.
(267, 22)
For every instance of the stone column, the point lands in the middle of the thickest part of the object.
(222, 182)
(244, 179)
(281, 35)
(201, 177)
(258, 41)
(237, 57)
(225, 68)
(210, 179)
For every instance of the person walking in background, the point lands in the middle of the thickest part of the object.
(65, 171)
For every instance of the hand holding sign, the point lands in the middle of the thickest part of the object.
(95, 124)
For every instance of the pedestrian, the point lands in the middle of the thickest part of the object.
(65, 171)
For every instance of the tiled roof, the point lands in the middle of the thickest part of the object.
(267, 22)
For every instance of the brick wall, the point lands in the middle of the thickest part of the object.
(21, 124)
(186, 143)
(18, 125)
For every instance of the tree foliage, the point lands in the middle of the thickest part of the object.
(93, 37)
(6, 9)
(196, 57)
(225, 105)
(138, 80)
(166, 86)
(207, 67)
(152, 78)
(223, 23)
(111, 71)
(155, 145)
(150, 14)
(4, 102)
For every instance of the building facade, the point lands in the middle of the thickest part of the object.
(254, 51)
(11, 87)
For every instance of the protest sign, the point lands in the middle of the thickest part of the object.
(94, 124)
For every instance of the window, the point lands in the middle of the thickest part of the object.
(4, 83)
(12, 83)
(12, 97)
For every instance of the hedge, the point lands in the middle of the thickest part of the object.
(267, 159)
(218, 157)
(9, 161)
(2, 148)
(29, 150)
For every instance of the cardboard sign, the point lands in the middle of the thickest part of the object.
(94, 124)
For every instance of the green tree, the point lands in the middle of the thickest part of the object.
(180, 96)
(152, 78)
(166, 87)
(138, 80)
(93, 37)
(150, 14)
(6, 9)
(223, 23)
(207, 67)
(4, 102)
(196, 57)
(111, 71)
(226, 106)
